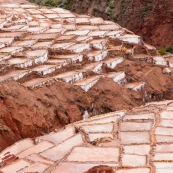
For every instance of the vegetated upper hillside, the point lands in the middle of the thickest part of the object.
(152, 19)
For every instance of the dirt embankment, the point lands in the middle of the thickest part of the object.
(152, 19)
(26, 113)
(29, 113)
(158, 85)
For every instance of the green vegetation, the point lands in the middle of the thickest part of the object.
(169, 49)
(67, 4)
(166, 50)
(162, 52)
(147, 9)
(51, 3)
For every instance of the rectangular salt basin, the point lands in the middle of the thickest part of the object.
(116, 76)
(11, 34)
(16, 166)
(135, 126)
(78, 48)
(129, 160)
(164, 131)
(101, 120)
(113, 62)
(137, 149)
(40, 37)
(97, 33)
(59, 136)
(40, 147)
(98, 128)
(164, 148)
(166, 123)
(42, 45)
(163, 157)
(169, 108)
(72, 58)
(38, 158)
(166, 115)
(37, 82)
(25, 43)
(88, 27)
(95, 67)
(59, 151)
(35, 53)
(88, 83)
(135, 86)
(7, 41)
(57, 62)
(164, 139)
(18, 147)
(70, 76)
(37, 167)
(45, 69)
(164, 167)
(135, 137)
(84, 39)
(59, 46)
(97, 154)
(15, 75)
(66, 15)
(65, 38)
(11, 50)
(110, 114)
(79, 167)
(78, 32)
(135, 170)
(4, 56)
(148, 116)
(36, 30)
(96, 20)
(96, 136)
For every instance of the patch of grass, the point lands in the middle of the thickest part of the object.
(162, 52)
(166, 50)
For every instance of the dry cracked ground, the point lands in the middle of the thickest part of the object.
(58, 67)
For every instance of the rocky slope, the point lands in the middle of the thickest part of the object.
(152, 19)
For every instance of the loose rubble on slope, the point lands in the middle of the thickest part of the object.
(137, 141)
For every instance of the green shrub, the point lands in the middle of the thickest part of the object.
(162, 52)
(50, 3)
(169, 49)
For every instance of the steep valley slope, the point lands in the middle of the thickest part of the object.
(152, 19)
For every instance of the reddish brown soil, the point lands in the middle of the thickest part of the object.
(100, 169)
(152, 19)
(29, 113)
(26, 113)
(158, 85)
